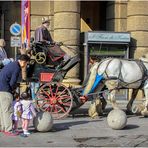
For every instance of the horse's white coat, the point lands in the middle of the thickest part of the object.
(123, 74)
(128, 71)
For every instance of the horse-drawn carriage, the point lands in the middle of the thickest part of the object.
(48, 68)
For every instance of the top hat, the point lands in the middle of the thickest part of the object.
(45, 20)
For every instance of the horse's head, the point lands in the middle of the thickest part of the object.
(144, 59)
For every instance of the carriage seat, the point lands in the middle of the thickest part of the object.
(70, 63)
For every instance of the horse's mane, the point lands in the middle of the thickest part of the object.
(144, 58)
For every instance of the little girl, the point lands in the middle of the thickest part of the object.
(17, 111)
(28, 112)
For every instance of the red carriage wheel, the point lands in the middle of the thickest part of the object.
(55, 98)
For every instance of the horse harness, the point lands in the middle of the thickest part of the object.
(120, 78)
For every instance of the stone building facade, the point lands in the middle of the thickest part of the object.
(70, 18)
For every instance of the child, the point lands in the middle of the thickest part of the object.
(17, 112)
(28, 112)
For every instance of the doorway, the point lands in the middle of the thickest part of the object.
(10, 12)
(93, 16)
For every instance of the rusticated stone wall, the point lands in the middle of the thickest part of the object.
(137, 25)
(65, 25)
(116, 13)
(40, 9)
(67, 28)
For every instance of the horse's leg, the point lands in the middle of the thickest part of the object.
(145, 111)
(96, 108)
(103, 101)
(112, 99)
(111, 85)
(101, 87)
(130, 102)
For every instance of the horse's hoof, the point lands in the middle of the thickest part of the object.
(104, 106)
(136, 109)
(129, 112)
(144, 113)
(101, 114)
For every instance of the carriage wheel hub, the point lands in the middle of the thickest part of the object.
(53, 100)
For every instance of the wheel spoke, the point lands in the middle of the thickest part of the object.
(57, 88)
(39, 104)
(46, 92)
(64, 97)
(42, 97)
(50, 89)
(66, 104)
(62, 108)
(51, 108)
(55, 98)
(48, 108)
(55, 109)
(61, 92)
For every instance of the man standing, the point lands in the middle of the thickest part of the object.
(41, 33)
(8, 80)
(3, 54)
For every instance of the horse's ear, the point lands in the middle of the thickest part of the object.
(146, 55)
(143, 56)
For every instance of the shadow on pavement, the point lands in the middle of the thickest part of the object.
(130, 126)
(67, 125)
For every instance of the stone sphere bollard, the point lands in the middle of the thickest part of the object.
(117, 119)
(43, 121)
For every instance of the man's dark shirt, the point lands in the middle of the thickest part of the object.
(9, 76)
(42, 34)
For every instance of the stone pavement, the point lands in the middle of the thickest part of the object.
(81, 131)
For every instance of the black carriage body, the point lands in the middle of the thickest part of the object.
(35, 70)
(53, 96)
(42, 60)
(53, 53)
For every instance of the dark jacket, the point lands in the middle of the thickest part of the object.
(42, 34)
(9, 76)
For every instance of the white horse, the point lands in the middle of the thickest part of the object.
(118, 74)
